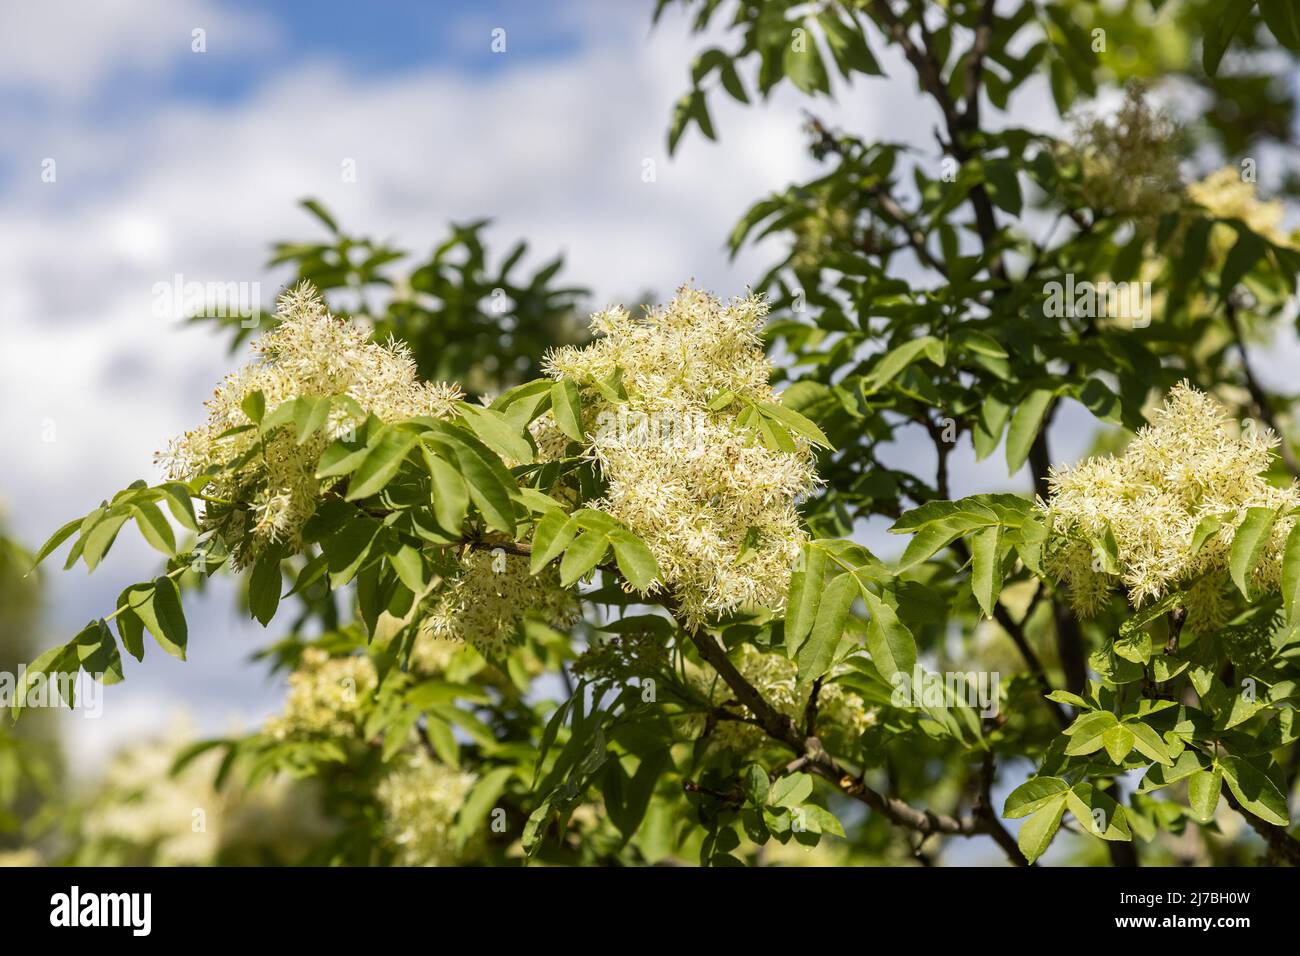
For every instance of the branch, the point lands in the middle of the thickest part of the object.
(1263, 406)
(782, 729)
(927, 69)
(1281, 844)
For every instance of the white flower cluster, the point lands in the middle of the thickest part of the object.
(839, 710)
(420, 801)
(697, 506)
(310, 353)
(326, 696)
(1187, 467)
(485, 602)
(1129, 161)
(1226, 195)
(181, 819)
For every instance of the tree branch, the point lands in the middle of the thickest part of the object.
(1263, 405)
(782, 729)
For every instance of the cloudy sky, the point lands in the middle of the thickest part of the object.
(168, 161)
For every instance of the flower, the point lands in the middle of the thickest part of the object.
(684, 469)
(1184, 472)
(273, 489)
(1129, 162)
(1227, 196)
(325, 696)
(486, 600)
(420, 801)
(775, 677)
(144, 812)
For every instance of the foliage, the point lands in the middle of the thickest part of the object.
(740, 676)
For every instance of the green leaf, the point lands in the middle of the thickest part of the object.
(1026, 421)
(817, 653)
(310, 414)
(1034, 794)
(56, 660)
(1255, 790)
(1248, 546)
(1087, 732)
(497, 432)
(56, 539)
(634, 559)
(1205, 529)
(479, 802)
(490, 485)
(848, 45)
(316, 209)
(1160, 775)
(584, 554)
(158, 605)
(805, 593)
(554, 533)
(264, 585)
(1036, 833)
(796, 422)
(1098, 813)
(930, 539)
(1118, 741)
(986, 568)
(154, 527)
(1203, 788)
(890, 643)
(450, 495)
(1003, 185)
(790, 790)
(254, 406)
(1246, 251)
(802, 63)
(1135, 646)
(897, 359)
(1291, 575)
(129, 626)
(567, 408)
(1148, 742)
(96, 542)
(97, 654)
(177, 497)
(1283, 19)
(381, 463)
(757, 786)
(1227, 17)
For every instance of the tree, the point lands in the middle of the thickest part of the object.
(658, 525)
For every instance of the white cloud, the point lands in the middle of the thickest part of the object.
(66, 49)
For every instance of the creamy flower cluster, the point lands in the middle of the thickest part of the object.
(1188, 465)
(1129, 161)
(1227, 196)
(326, 696)
(839, 710)
(183, 820)
(310, 353)
(420, 802)
(694, 503)
(485, 602)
